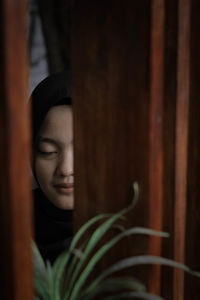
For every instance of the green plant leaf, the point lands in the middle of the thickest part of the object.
(99, 254)
(137, 260)
(143, 260)
(41, 289)
(69, 274)
(95, 238)
(38, 261)
(41, 277)
(61, 262)
(77, 256)
(119, 283)
(58, 273)
(115, 284)
(141, 295)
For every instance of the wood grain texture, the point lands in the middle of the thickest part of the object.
(169, 122)
(182, 114)
(156, 136)
(15, 185)
(192, 243)
(131, 108)
(111, 98)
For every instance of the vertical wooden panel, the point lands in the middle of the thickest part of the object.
(169, 121)
(114, 104)
(181, 143)
(110, 51)
(192, 243)
(15, 187)
(156, 136)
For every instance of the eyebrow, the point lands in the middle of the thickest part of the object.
(46, 140)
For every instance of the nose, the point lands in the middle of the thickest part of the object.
(65, 164)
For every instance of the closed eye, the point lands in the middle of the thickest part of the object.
(47, 153)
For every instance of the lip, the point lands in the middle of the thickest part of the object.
(64, 185)
(64, 188)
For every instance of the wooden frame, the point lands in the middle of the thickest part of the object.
(15, 183)
(136, 106)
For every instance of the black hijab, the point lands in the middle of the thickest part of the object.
(51, 91)
(53, 226)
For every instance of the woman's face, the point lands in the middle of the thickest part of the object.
(54, 157)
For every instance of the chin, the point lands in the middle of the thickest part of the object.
(64, 202)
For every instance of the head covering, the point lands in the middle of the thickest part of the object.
(53, 226)
(48, 93)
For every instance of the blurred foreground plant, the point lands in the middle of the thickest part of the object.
(67, 278)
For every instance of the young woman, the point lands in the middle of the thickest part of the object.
(53, 164)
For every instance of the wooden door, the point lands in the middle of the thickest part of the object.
(15, 183)
(136, 118)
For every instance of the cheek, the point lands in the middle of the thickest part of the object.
(44, 170)
(71, 157)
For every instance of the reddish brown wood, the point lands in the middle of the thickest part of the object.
(15, 183)
(192, 242)
(169, 121)
(114, 103)
(181, 143)
(110, 50)
(156, 136)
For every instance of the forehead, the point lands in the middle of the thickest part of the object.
(58, 123)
